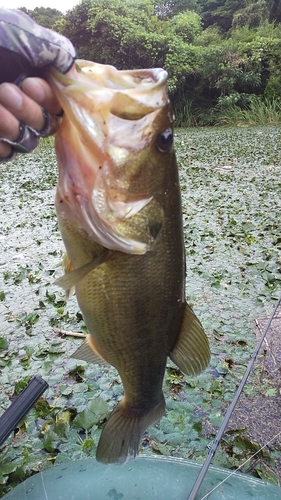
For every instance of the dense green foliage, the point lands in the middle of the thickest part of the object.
(219, 53)
(45, 16)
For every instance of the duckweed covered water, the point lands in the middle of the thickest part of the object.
(231, 191)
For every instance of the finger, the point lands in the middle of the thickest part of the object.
(21, 106)
(5, 150)
(9, 125)
(40, 91)
(9, 129)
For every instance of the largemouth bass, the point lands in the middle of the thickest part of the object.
(119, 209)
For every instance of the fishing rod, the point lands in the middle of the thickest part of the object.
(241, 465)
(228, 414)
(21, 406)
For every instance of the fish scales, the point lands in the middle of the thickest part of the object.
(134, 297)
(127, 252)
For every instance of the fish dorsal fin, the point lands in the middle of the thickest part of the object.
(191, 352)
(86, 352)
(71, 279)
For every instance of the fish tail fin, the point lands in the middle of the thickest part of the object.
(120, 438)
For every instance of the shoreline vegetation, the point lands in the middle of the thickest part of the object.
(259, 111)
(223, 57)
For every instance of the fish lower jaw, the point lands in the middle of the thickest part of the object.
(77, 212)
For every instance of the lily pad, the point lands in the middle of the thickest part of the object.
(95, 411)
(3, 343)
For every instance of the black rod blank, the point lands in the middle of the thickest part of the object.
(21, 406)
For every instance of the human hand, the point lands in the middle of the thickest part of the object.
(28, 112)
(27, 106)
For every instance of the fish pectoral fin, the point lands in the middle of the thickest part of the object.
(120, 438)
(86, 352)
(191, 352)
(73, 277)
(68, 267)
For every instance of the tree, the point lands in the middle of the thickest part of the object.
(74, 26)
(220, 12)
(253, 15)
(186, 25)
(47, 17)
(222, 63)
(168, 8)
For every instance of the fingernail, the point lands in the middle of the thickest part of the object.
(10, 96)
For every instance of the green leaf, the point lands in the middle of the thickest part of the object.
(66, 390)
(271, 392)
(95, 411)
(50, 441)
(85, 419)
(216, 418)
(6, 469)
(3, 343)
(21, 384)
(99, 407)
(88, 445)
(198, 426)
(61, 428)
(267, 475)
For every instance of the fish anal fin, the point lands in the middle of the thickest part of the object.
(120, 438)
(87, 352)
(191, 352)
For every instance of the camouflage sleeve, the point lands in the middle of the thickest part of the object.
(26, 47)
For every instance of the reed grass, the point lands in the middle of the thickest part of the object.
(184, 115)
(259, 111)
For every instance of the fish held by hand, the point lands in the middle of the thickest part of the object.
(119, 210)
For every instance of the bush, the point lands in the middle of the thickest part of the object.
(273, 87)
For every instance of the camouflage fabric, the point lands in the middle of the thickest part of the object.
(24, 46)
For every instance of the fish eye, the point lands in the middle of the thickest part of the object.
(165, 141)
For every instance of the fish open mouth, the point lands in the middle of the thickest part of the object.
(107, 127)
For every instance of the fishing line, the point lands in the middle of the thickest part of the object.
(240, 466)
(228, 414)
